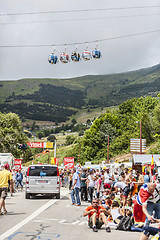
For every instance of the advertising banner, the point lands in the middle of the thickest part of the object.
(17, 164)
(36, 144)
(69, 162)
(56, 161)
(48, 144)
(40, 144)
(17, 161)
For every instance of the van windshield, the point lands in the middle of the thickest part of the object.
(47, 171)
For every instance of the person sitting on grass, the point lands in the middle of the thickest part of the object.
(96, 216)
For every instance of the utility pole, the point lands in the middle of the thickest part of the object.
(140, 137)
(79, 153)
(107, 160)
(108, 151)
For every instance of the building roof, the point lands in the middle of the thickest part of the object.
(145, 158)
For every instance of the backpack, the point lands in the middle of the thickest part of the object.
(125, 224)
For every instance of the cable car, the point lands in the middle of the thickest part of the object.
(96, 54)
(64, 58)
(52, 58)
(86, 55)
(75, 57)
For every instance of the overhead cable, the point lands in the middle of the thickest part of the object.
(80, 19)
(80, 43)
(80, 10)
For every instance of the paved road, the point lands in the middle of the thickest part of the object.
(48, 219)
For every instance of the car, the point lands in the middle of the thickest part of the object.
(42, 179)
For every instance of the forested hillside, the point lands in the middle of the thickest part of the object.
(121, 125)
(59, 99)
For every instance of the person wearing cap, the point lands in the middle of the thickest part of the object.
(96, 216)
(5, 176)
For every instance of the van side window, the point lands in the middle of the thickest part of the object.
(47, 171)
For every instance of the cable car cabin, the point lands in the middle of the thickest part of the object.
(86, 55)
(75, 57)
(96, 54)
(52, 58)
(64, 58)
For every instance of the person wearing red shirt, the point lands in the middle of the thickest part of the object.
(96, 216)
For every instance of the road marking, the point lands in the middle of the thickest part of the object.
(63, 221)
(29, 218)
(46, 236)
(82, 223)
(74, 223)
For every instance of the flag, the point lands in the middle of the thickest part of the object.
(152, 165)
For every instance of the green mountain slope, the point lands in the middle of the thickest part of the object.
(58, 99)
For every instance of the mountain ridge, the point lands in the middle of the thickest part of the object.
(71, 94)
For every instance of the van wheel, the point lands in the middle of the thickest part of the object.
(27, 196)
(58, 196)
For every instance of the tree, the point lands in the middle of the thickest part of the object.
(69, 140)
(74, 121)
(11, 133)
(33, 126)
(51, 138)
(88, 121)
(40, 135)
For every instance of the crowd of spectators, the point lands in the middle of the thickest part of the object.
(129, 200)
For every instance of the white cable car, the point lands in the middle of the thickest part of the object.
(75, 57)
(96, 54)
(52, 58)
(86, 55)
(64, 58)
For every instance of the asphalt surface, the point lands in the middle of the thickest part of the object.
(48, 219)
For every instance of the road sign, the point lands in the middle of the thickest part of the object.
(135, 145)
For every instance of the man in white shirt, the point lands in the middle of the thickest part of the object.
(75, 189)
(125, 189)
(153, 204)
(91, 184)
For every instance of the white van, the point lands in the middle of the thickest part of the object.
(42, 179)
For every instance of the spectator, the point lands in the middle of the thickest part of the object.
(147, 178)
(83, 185)
(153, 204)
(5, 177)
(19, 180)
(140, 205)
(91, 184)
(75, 189)
(96, 216)
(140, 180)
(125, 188)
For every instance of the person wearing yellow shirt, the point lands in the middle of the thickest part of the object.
(5, 177)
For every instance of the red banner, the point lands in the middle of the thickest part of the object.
(17, 164)
(56, 161)
(69, 162)
(17, 161)
(36, 144)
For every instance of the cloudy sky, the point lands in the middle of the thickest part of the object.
(64, 22)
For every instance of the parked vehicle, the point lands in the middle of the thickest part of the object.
(42, 179)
